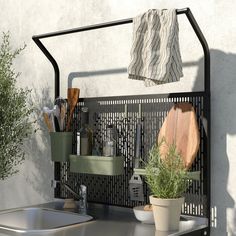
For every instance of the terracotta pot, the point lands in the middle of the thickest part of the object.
(166, 213)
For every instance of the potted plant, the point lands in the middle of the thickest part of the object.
(167, 178)
(15, 124)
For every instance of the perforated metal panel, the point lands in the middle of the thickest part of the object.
(113, 190)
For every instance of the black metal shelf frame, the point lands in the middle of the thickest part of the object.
(186, 11)
(205, 93)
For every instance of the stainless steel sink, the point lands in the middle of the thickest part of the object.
(39, 219)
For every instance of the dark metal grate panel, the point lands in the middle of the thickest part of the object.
(113, 190)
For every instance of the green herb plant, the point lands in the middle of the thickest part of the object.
(166, 176)
(15, 124)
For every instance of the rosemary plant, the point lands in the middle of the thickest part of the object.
(166, 176)
(15, 124)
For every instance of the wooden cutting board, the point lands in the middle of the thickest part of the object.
(180, 127)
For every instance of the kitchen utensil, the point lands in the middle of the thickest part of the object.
(47, 121)
(62, 117)
(125, 132)
(56, 113)
(180, 127)
(136, 183)
(72, 96)
(51, 116)
(46, 110)
(62, 106)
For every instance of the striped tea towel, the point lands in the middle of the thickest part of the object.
(155, 53)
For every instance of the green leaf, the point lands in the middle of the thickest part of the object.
(166, 175)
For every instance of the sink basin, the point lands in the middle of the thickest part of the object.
(39, 219)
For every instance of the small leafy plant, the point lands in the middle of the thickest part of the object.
(166, 175)
(15, 124)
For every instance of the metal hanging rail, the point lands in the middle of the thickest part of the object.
(186, 11)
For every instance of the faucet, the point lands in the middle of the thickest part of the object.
(81, 196)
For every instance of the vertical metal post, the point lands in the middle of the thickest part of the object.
(57, 165)
(205, 47)
(53, 62)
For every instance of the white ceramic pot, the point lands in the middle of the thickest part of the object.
(166, 213)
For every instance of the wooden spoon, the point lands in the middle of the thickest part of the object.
(72, 96)
(47, 121)
(62, 116)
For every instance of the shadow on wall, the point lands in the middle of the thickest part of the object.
(38, 148)
(223, 127)
(81, 74)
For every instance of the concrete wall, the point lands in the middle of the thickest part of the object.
(85, 58)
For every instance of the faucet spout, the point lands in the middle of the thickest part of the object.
(76, 195)
(81, 196)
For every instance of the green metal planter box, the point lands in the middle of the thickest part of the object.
(98, 165)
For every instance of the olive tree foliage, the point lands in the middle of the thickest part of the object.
(15, 122)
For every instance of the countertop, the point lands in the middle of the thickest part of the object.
(114, 221)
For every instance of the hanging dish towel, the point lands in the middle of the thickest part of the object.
(155, 53)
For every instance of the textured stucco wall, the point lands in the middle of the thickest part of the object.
(83, 57)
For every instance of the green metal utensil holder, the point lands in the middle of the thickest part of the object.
(61, 146)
